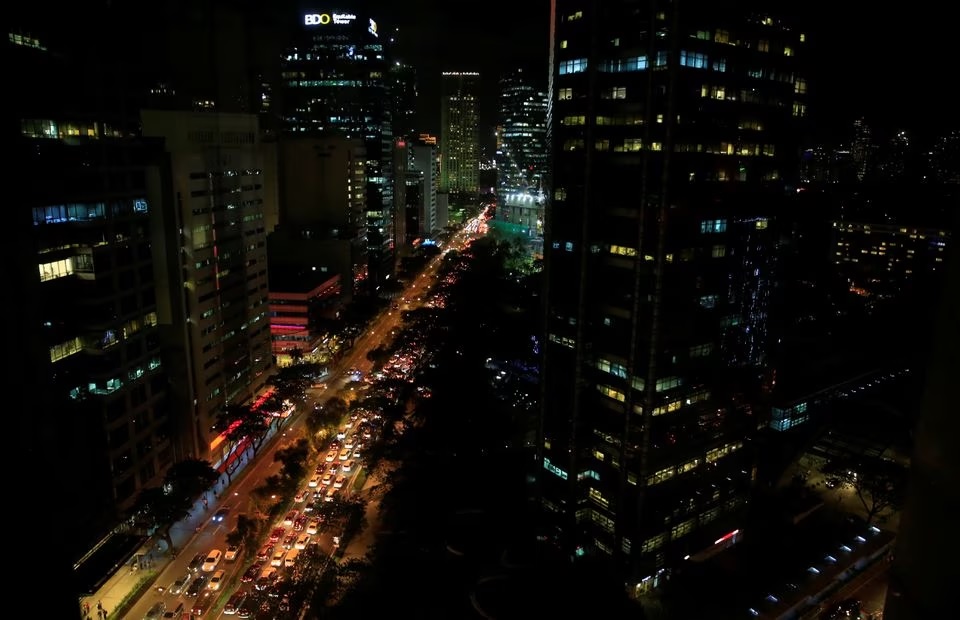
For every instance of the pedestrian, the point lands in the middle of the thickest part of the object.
(99, 606)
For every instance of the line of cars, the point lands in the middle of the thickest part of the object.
(203, 579)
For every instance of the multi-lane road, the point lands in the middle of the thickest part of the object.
(237, 498)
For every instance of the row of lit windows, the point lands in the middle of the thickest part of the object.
(656, 542)
(675, 405)
(634, 145)
(85, 212)
(75, 345)
(25, 41)
(676, 470)
(58, 130)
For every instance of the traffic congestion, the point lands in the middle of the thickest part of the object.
(212, 578)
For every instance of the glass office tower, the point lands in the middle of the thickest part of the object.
(672, 128)
(335, 79)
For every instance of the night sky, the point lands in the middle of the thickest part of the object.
(891, 64)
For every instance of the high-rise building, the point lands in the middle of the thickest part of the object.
(521, 134)
(403, 91)
(460, 134)
(945, 158)
(521, 152)
(425, 166)
(212, 300)
(919, 585)
(335, 78)
(673, 133)
(862, 149)
(93, 417)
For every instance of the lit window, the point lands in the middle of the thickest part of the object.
(563, 44)
(713, 226)
(565, 94)
(578, 65)
(788, 51)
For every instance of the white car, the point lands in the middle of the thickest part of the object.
(232, 552)
(339, 482)
(314, 482)
(277, 559)
(301, 496)
(216, 579)
(302, 542)
(331, 456)
(210, 563)
(313, 527)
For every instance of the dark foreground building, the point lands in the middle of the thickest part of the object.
(673, 132)
(921, 584)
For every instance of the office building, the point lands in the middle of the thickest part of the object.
(323, 222)
(885, 260)
(521, 134)
(920, 586)
(460, 135)
(94, 419)
(424, 174)
(335, 80)
(300, 301)
(212, 283)
(403, 91)
(659, 253)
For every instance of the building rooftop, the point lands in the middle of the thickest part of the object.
(293, 280)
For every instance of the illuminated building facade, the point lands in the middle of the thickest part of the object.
(673, 136)
(884, 260)
(424, 174)
(212, 287)
(521, 136)
(298, 300)
(460, 134)
(335, 80)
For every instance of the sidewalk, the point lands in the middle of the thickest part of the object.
(153, 557)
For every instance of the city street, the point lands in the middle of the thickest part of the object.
(199, 534)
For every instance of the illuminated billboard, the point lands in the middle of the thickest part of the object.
(326, 19)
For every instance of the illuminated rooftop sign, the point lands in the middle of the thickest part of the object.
(325, 19)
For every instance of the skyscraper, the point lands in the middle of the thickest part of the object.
(522, 153)
(521, 134)
(672, 125)
(920, 587)
(212, 283)
(93, 416)
(459, 134)
(425, 166)
(335, 78)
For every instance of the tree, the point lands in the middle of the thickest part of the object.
(378, 356)
(158, 510)
(245, 532)
(879, 483)
(336, 408)
(191, 477)
(294, 459)
(241, 422)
